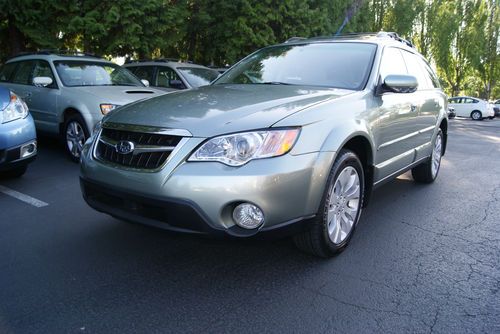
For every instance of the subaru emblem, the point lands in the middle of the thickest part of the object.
(124, 147)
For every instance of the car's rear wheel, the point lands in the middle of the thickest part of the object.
(476, 115)
(75, 135)
(428, 171)
(339, 210)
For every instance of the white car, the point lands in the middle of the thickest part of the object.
(466, 106)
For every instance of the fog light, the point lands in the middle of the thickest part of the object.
(248, 216)
(28, 149)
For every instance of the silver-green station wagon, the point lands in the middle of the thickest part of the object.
(292, 139)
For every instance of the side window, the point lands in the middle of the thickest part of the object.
(475, 101)
(468, 101)
(415, 69)
(165, 77)
(6, 72)
(42, 69)
(432, 75)
(23, 73)
(392, 63)
(143, 72)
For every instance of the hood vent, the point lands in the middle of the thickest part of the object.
(139, 92)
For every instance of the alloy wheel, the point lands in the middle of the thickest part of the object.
(343, 204)
(436, 155)
(75, 138)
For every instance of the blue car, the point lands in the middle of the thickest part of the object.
(18, 145)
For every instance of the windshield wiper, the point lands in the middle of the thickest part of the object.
(274, 83)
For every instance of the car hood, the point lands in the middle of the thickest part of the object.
(219, 109)
(120, 95)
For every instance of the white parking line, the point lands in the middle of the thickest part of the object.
(22, 197)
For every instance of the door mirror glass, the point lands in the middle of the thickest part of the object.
(145, 82)
(399, 83)
(42, 81)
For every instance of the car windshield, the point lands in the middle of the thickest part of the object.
(336, 65)
(198, 77)
(75, 73)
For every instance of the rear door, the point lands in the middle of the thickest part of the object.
(19, 79)
(428, 99)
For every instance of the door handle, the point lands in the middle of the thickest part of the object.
(413, 108)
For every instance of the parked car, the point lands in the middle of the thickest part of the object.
(171, 74)
(292, 139)
(18, 146)
(466, 106)
(68, 94)
(451, 112)
(496, 108)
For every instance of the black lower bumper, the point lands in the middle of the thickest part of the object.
(11, 159)
(172, 214)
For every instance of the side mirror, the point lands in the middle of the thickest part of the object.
(145, 82)
(398, 83)
(42, 81)
(177, 84)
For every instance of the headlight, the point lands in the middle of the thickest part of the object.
(16, 109)
(239, 148)
(107, 107)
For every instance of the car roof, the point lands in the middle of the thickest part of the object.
(170, 63)
(380, 38)
(55, 57)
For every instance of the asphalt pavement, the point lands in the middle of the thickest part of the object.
(425, 258)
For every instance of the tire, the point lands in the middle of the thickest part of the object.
(16, 172)
(428, 171)
(74, 135)
(334, 225)
(476, 115)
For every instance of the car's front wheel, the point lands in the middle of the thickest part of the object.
(339, 211)
(476, 115)
(75, 135)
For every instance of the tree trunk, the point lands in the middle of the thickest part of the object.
(16, 37)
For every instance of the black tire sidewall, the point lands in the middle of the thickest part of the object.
(345, 159)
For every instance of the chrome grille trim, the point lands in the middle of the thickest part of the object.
(152, 149)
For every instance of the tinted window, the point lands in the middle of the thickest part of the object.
(143, 72)
(431, 75)
(197, 76)
(6, 71)
(42, 69)
(392, 63)
(340, 65)
(23, 72)
(87, 73)
(165, 76)
(413, 63)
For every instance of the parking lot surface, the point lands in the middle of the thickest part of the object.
(425, 258)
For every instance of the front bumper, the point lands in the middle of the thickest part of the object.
(13, 137)
(199, 197)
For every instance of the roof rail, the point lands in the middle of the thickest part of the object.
(396, 37)
(174, 60)
(57, 52)
(295, 39)
(381, 34)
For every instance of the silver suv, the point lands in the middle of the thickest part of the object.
(171, 74)
(291, 139)
(68, 94)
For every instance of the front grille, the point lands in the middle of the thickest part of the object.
(151, 149)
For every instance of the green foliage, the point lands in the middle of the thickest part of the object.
(460, 37)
